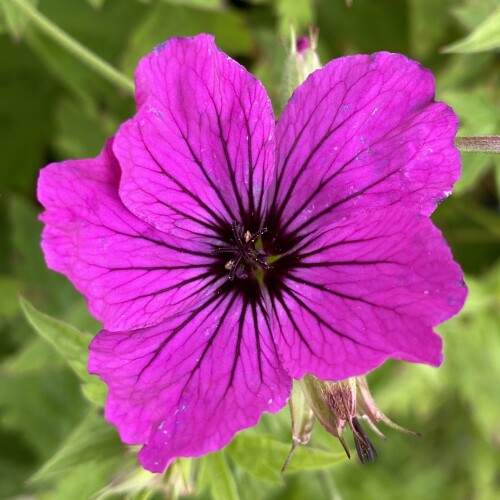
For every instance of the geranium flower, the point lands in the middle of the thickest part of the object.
(226, 255)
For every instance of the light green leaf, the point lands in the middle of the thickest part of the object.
(263, 456)
(83, 481)
(216, 475)
(95, 391)
(133, 482)
(309, 458)
(93, 441)
(485, 37)
(34, 356)
(199, 4)
(71, 343)
(471, 13)
(13, 19)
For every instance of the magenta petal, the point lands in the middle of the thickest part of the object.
(186, 386)
(365, 289)
(130, 273)
(364, 132)
(200, 150)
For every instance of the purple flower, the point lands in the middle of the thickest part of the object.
(226, 255)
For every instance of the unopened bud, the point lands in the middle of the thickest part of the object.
(302, 59)
(344, 403)
(302, 421)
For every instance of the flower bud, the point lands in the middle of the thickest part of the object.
(302, 59)
(337, 404)
(302, 420)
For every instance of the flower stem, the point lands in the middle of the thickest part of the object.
(479, 144)
(87, 57)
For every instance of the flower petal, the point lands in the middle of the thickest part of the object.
(186, 386)
(199, 151)
(130, 273)
(365, 289)
(363, 132)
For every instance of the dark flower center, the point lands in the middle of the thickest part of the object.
(246, 256)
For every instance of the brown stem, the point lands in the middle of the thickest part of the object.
(479, 144)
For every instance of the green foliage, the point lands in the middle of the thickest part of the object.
(216, 476)
(12, 19)
(164, 21)
(54, 440)
(199, 4)
(263, 456)
(71, 343)
(92, 441)
(485, 37)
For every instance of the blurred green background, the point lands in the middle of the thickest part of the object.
(54, 442)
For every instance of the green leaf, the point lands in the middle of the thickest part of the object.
(471, 13)
(309, 458)
(83, 481)
(97, 4)
(199, 4)
(71, 343)
(485, 37)
(70, 72)
(93, 441)
(133, 482)
(263, 456)
(14, 20)
(163, 21)
(216, 475)
(95, 391)
(33, 357)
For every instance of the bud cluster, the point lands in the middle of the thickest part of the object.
(338, 405)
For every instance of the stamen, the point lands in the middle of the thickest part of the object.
(243, 251)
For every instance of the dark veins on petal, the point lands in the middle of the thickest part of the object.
(252, 256)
